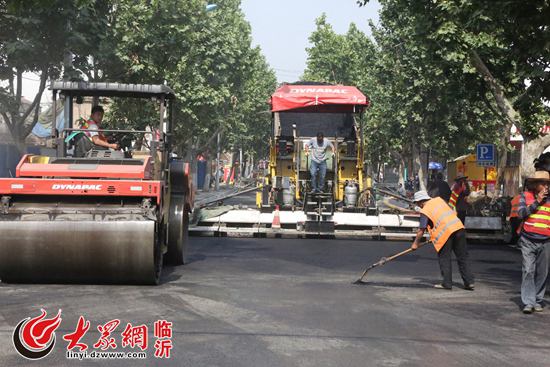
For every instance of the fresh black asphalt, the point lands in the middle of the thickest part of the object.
(290, 302)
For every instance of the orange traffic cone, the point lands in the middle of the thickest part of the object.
(276, 224)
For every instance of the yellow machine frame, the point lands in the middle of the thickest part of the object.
(348, 168)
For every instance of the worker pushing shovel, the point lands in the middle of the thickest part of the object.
(447, 234)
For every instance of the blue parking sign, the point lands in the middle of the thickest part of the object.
(485, 154)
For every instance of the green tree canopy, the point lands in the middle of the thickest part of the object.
(37, 36)
(443, 75)
(221, 81)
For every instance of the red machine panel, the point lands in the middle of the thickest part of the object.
(30, 186)
(66, 167)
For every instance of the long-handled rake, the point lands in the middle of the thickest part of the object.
(383, 261)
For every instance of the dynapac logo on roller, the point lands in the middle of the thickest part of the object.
(76, 187)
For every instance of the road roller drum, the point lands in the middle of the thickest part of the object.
(67, 251)
(99, 216)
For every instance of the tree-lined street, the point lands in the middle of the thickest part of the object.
(202, 183)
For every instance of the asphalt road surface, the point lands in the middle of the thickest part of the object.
(282, 302)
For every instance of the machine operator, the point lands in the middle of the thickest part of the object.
(319, 156)
(93, 125)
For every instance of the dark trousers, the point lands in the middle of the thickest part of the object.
(461, 214)
(535, 270)
(515, 222)
(457, 244)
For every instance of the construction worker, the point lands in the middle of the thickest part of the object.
(447, 234)
(318, 162)
(534, 210)
(438, 187)
(93, 124)
(513, 216)
(459, 193)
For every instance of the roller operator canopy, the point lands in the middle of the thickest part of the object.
(318, 98)
(85, 89)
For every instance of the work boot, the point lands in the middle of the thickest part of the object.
(538, 307)
(528, 309)
(441, 286)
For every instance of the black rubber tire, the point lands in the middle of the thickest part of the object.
(178, 231)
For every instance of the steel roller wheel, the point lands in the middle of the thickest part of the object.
(73, 251)
(178, 230)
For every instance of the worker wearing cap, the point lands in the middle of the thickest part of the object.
(459, 193)
(534, 210)
(447, 234)
(318, 162)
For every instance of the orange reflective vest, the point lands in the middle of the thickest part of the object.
(457, 190)
(86, 125)
(515, 206)
(444, 220)
(539, 221)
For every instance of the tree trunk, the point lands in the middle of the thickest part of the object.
(505, 108)
(17, 120)
(191, 157)
(401, 170)
(531, 150)
(419, 164)
(20, 144)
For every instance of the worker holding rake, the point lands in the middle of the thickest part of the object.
(447, 234)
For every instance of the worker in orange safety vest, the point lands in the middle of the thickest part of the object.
(459, 193)
(534, 240)
(447, 234)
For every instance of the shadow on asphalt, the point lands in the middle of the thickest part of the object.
(501, 277)
(195, 258)
(517, 301)
(368, 283)
(169, 274)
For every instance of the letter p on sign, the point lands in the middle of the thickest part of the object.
(485, 154)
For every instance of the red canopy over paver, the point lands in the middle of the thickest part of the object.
(317, 97)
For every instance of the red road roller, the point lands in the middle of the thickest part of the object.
(92, 215)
